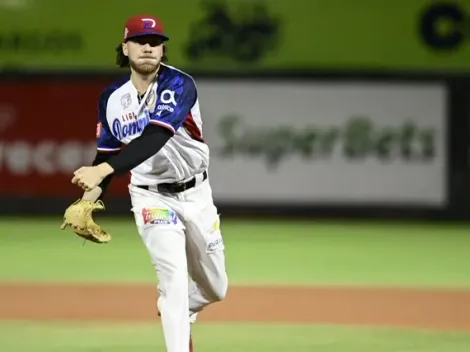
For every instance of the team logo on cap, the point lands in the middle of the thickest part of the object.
(149, 23)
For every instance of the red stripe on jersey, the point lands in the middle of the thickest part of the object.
(190, 125)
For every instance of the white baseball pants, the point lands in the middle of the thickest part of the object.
(182, 235)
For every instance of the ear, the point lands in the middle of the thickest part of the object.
(125, 50)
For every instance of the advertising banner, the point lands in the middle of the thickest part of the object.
(326, 143)
(47, 131)
(284, 142)
(243, 34)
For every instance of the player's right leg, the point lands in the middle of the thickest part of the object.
(162, 232)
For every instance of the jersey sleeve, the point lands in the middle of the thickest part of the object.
(174, 103)
(105, 141)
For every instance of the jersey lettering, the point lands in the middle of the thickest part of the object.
(125, 129)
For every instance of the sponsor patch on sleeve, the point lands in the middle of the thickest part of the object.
(158, 216)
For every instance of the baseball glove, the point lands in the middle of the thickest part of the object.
(79, 216)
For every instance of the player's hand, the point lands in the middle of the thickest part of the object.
(89, 177)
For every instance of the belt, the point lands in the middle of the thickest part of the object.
(175, 187)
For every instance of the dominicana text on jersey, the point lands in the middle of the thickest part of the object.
(172, 102)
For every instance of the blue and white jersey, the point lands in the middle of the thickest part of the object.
(171, 101)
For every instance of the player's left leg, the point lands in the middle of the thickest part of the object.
(205, 251)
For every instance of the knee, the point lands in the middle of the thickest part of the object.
(220, 289)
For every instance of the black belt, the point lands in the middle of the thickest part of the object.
(176, 187)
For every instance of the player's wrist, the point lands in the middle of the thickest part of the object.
(93, 194)
(105, 169)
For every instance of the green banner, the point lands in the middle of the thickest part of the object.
(243, 34)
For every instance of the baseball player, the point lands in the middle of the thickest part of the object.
(149, 124)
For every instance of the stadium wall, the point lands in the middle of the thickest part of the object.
(307, 144)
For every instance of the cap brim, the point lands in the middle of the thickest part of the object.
(141, 34)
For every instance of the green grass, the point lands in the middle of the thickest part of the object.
(94, 337)
(258, 252)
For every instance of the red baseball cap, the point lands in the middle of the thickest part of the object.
(139, 25)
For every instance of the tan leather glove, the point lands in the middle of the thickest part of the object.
(79, 216)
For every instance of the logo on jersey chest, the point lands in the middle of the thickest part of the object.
(126, 100)
(129, 124)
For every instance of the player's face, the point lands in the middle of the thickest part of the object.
(144, 53)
